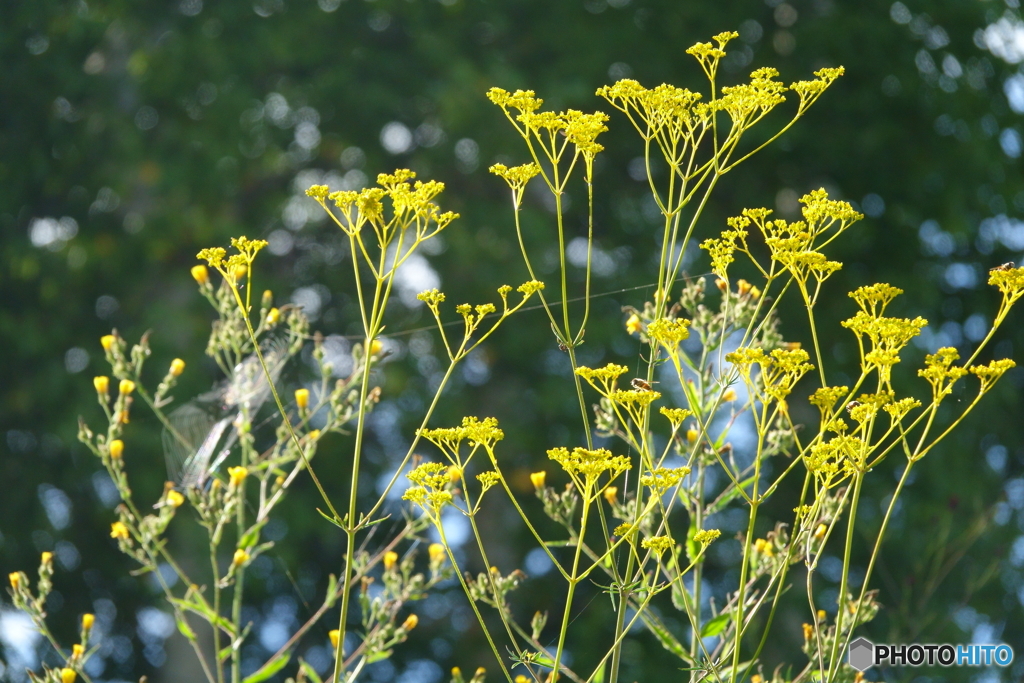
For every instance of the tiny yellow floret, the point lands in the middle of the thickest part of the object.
(729, 396)
(302, 398)
(116, 448)
(15, 579)
(819, 533)
(201, 274)
(102, 384)
(410, 622)
(692, 434)
(240, 558)
(77, 650)
(177, 367)
(538, 479)
(334, 635)
(46, 558)
(87, 621)
(273, 315)
(390, 560)
(376, 347)
(454, 473)
(107, 341)
(239, 271)
(175, 499)
(68, 675)
(237, 475)
(633, 324)
(119, 531)
(611, 494)
(126, 387)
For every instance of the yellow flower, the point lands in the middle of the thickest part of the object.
(611, 494)
(15, 579)
(239, 271)
(390, 560)
(808, 632)
(376, 346)
(237, 475)
(706, 536)
(454, 473)
(538, 479)
(87, 621)
(201, 274)
(302, 398)
(821, 615)
(119, 531)
(756, 678)
(764, 547)
(77, 650)
(102, 384)
(126, 387)
(334, 635)
(691, 434)
(46, 558)
(116, 448)
(240, 558)
(436, 552)
(177, 367)
(522, 679)
(819, 533)
(175, 499)
(633, 324)
(410, 622)
(107, 341)
(729, 396)
(273, 315)
(67, 675)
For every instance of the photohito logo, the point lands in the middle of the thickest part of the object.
(864, 654)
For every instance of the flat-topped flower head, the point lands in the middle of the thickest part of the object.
(990, 374)
(430, 492)
(657, 544)
(675, 415)
(669, 331)
(517, 176)
(706, 537)
(585, 466)
(663, 478)
(1010, 281)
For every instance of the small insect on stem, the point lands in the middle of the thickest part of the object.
(641, 384)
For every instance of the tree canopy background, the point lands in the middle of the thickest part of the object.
(134, 133)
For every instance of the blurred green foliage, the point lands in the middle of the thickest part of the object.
(132, 134)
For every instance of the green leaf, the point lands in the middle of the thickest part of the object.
(330, 519)
(185, 629)
(715, 626)
(310, 672)
(268, 669)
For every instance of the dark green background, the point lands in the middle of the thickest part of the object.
(137, 120)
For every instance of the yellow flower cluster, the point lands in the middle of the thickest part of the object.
(706, 536)
(676, 415)
(669, 332)
(602, 379)
(663, 478)
(990, 374)
(478, 432)
(516, 176)
(887, 336)
(780, 370)
(657, 544)
(940, 372)
(1010, 282)
(430, 491)
(579, 128)
(832, 461)
(585, 466)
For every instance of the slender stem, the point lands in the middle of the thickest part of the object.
(573, 580)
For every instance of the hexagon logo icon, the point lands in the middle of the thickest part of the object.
(862, 654)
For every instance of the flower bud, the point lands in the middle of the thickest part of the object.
(102, 384)
(692, 434)
(376, 347)
(808, 632)
(77, 650)
(410, 622)
(201, 274)
(273, 315)
(87, 621)
(107, 341)
(239, 271)
(177, 367)
(334, 635)
(46, 558)
(175, 499)
(15, 579)
(743, 287)
(454, 473)
(819, 533)
(126, 387)
(116, 448)
(633, 324)
(611, 494)
(119, 531)
(302, 398)
(240, 558)
(722, 284)
(390, 559)
(538, 479)
(68, 675)
(729, 396)
(436, 552)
